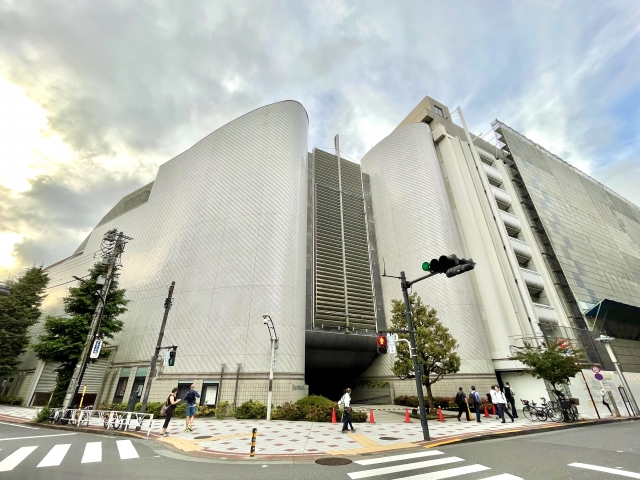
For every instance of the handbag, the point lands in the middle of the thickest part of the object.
(165, 407)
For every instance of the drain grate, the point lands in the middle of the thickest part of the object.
(388, 438)
(200, 437)
(333, 461)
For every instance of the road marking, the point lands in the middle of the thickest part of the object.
(15, 458)
(503, 476)
(397, 458)
(405, 467)
(612, 471)
(16, 425)
(126, 449)
(37, 436)
(55, 456)
(452, 472)
(92, 452)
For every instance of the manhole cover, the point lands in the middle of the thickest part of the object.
(200, 437)
(388, 438)
(333, 461)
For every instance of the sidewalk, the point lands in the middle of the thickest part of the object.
(231, 439)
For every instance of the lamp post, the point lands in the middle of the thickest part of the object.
(607, 343)
(266, 319)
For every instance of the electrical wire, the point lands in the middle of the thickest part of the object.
(60, 284)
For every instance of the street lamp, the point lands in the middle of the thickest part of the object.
(266, 319)
(607, 343)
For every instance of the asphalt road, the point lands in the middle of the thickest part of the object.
(596, 452)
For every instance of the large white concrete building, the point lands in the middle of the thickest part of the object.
(247, 222)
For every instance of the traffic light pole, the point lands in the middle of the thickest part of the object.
(154, 359)
(414, 352)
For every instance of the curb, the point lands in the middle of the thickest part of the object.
(110, 431)
(518, 433)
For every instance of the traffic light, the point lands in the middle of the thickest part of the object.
(451, 265)
(172, 356)
(382, 344)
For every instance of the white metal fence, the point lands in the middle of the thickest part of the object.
(106, 418)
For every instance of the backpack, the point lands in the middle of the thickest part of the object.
(473, 399)
(191, 397)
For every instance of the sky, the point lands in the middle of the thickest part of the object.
(94, 96)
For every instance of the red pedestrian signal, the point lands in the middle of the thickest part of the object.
(382, 344)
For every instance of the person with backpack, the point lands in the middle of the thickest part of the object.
(168, 409)
(509, 394)
(475, 400)
(461, 401)
(190, 398)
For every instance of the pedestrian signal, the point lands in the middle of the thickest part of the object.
(172, 356)
(382, 344)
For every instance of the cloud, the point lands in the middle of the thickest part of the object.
(125, 86)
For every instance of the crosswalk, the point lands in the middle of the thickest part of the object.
(92, 453)
(426, 460)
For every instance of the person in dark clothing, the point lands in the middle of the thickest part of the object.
(171, 406)
(475, 400)
(508, 394)
(603, 396)
(461, 401)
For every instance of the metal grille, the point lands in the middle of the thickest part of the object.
(341, 301)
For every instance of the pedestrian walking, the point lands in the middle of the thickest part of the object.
(461, 401)
(169, 407)
(492, 398)
(604, 399)
(502, 404)
(190, 399)
(475, 400)
(346, 417)
(509, 394)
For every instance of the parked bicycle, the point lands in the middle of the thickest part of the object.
(532, 412)
(553, 410)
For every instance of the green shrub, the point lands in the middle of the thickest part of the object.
(181, 410)
(43, 415)
(10, 400)
(114, 407)
(223, 410)
(287, 411)
(359, 417)
(251, 409)
(205, 411)
(307, 403)
(406, 401)
(319, 414)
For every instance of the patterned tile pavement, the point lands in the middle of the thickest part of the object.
(232, 437)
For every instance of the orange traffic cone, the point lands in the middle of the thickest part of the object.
(486, 412)
(494, 409)
(406, 416)
(440, 416)
(333, 416)
(371, 416)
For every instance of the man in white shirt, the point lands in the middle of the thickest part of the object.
(502, 404)
(346, 418)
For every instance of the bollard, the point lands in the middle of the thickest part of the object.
(440, 416)
(407, 419)
(254, 432)
(371, 416)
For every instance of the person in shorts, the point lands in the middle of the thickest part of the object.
(190, 400)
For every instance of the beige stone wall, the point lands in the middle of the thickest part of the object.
(447, 387)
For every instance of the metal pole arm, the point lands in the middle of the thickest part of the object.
(408, 283)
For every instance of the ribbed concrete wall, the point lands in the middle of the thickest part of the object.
(414, 223)
(226, 221)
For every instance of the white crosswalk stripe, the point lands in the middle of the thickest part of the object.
(55, 456)
(612, 471)
(92, 452)
(407, 462)
(126, 449)
(15, 458)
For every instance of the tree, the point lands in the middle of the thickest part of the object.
(435, 345)
(65, 336)
(549, 362)
(19, 311)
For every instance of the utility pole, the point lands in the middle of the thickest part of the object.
(274, 344)
(154, 360)
(112, 247)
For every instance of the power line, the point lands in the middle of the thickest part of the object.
(74, 280)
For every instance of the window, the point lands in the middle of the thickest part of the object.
(183, 387)
(438, 110)
(122, 385)
(209, 393)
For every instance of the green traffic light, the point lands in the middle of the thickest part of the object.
(425, 266)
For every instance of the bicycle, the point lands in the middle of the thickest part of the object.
(553, 410)
(533, 412)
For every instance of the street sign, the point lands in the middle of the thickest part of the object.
(392, 338)
(165, 360)
(599, 376)
(95, 350)
(595, 369)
